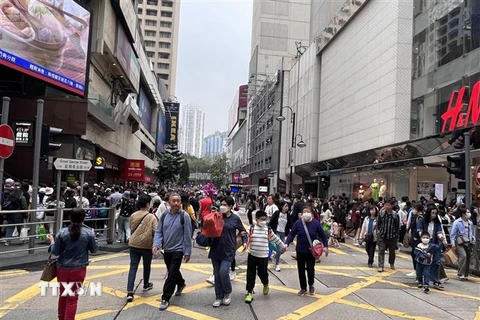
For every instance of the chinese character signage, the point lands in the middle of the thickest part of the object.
(461, 114)
(135, 170)
(172, 113)
(47, 40)
(23, 133)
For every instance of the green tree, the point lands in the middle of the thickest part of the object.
(200, 165)
(219, 170)
(170, 164)
(184, 173)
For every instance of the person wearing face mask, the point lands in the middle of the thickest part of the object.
(305, 259)
(414, 216)
(461, 238)
(222, 252)
(431, 224)
(259, 239)
(424, 253)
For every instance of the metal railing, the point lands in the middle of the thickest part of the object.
(51, 223)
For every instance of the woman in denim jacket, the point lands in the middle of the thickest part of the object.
(72, 245)
(461, 237)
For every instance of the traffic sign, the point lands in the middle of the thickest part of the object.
(477, 175)
(7, 141)
(72, 164)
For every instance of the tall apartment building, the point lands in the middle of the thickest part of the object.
(214, 144)
(159, 22)
(192, 122)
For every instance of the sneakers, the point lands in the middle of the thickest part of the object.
(302, 292)
(164, 305)
(148, 287)
(266, 289)
(130, 297)
(217, 303)
(392, 266)
(211, 280)
(227, 299)
(442, 281)
(180, 290)
(380, 269)
(463, 278)
(426, 289)
(412, 274)
(232, 274)
(438, 286)
(311, 290)
(248, 298)
(419, 286)
(277, 268)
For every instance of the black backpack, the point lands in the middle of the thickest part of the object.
(13, 201)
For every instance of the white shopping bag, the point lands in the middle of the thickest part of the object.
(24, 234)
(15, 232)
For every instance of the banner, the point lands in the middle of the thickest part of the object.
(145, 111)
(172, 113)
(160, 143)
(135, 170)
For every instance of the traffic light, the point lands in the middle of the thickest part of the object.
(458, 170)
(325, 180)
(47, 136)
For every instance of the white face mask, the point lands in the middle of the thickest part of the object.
(223, 209)
(262, 224)
(307, 216)
(425, 240)
(468, 214)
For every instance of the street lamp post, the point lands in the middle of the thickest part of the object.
(300, 144)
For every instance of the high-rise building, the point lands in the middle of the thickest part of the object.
(159, 22)
(214, 144)
(192, 121)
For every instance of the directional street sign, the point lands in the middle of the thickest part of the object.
(72, 164)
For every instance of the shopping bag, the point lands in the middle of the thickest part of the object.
(42, 234)
(24, 234)
(213, 224)
(15, 232)
(450, 256)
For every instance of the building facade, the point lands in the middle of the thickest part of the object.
(214, 144)
(192, 122)
(159, 23)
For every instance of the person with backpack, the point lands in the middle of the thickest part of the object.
(174, 236)
(258, 245)
(127, 208)
(13, 200)
(143, 225)
(388, 226)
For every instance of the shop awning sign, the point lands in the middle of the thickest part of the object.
(456, 117)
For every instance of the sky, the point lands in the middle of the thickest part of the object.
(213, 57)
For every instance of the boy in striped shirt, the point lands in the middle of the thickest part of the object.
(258, 246)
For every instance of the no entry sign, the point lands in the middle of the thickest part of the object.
(477, 175)
(7, 141)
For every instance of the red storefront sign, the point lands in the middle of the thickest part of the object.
(135, 170)
(455, 115)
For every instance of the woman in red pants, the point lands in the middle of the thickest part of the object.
(72, 245)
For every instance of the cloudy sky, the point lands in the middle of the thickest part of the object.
(214, 52)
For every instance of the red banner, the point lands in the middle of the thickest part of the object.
(135, 170)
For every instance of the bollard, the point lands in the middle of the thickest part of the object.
(111, 226)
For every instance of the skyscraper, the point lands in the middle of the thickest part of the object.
(159, 22)
(192, 120)
(214, 144)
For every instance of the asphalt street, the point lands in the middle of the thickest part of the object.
(345, 289)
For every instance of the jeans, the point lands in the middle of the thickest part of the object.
(67, 306)
(254, 265)
(223, 285)
(464, 256)
(123, 228)
(13, 220)
(281, 235)
(435, 273)
(135, 256)
(383, 244)
(173, 260)
(370, 248)
(423, 274)
(308, 260)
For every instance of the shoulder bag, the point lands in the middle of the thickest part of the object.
(50, 270)
(317, 249)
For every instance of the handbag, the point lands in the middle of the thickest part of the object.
(213, 225)
(450, 257)
(50, 270)
(369, 237)
(406, 240)
(317, 248)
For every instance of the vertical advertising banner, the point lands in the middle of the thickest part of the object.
(145, 111)
(172, 116)
(160, 132)
(135, 170)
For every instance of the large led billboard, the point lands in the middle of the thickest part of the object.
(46, 39)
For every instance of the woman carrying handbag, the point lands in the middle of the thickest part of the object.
(72, 245)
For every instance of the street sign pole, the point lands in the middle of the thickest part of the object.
(5, 111)
(58, 213)
(468, 172)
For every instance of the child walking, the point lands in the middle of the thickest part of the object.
(258, 245)
(424, 253)
(334, 234)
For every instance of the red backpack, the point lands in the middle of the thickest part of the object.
(213, 224)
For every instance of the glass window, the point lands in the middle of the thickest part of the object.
(167, 14)
(150, 54)
(163, 76)
(164, 55)
(165, 35)
(165, 66)
(151, 23)
(152, 2)
(165, 24)
(164, 45)
(167, 4)
(152, 12)
(140, 11)
(150, 33)
(150, 43)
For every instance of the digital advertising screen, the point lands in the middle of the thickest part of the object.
(46, 39)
